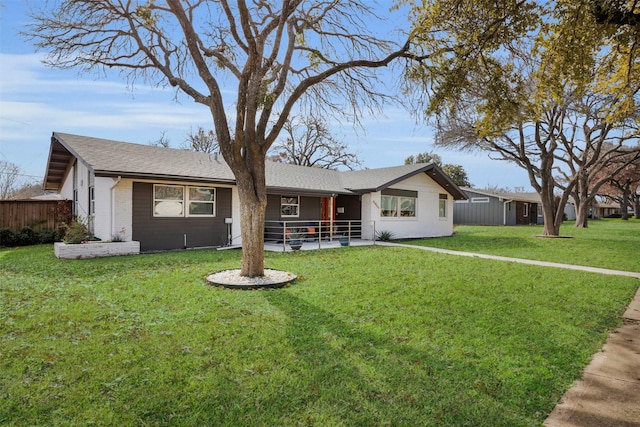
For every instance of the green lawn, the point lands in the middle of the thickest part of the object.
(607, 243)
(367, 336)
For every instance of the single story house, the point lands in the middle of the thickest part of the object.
(170, 199)
(484, 207)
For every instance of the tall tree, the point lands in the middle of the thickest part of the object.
(278, 54)
(308, 142)
(589, 143)
(457, 174)
(503, 76)
(622, 186)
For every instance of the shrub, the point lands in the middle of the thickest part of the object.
(7, 237)
(27, 237)
(75, 233)
(49, 236)
(384, 235)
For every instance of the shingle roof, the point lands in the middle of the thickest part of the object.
(116, 158)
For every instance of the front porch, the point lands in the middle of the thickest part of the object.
(315, 245)
(284, 236)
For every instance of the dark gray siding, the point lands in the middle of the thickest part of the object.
(309, 208)
(155, 233)
(491, 213)
(352, 208)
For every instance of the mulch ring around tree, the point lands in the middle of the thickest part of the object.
(232, 279)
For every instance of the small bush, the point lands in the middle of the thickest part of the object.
(384, 235)
(7, 237)
(49, 236)
(27, 237)
(75, 233)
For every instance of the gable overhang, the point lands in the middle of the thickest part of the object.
(432, 171)
(60, 161)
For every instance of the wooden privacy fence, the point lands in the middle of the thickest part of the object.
(37, 214)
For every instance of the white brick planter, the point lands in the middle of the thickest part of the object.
(95, 249)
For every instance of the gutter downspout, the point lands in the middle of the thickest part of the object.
(113, 207)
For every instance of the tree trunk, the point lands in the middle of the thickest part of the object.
(582, 213)
(624, 206)
(253, 203)
(547, 197)
(551, 227)
(583, 201)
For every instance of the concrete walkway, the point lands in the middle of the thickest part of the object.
(609, 393)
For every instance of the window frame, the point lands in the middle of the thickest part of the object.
(525, 210)
(283, 204)
(201, 202)
(395, 205)
(182, 201)
(479, 200)
(443, 199)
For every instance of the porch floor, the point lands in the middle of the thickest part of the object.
(315, 245)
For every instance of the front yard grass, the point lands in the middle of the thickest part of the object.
(607, 243)
(367, 336)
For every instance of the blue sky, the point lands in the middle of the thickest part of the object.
(36, 100)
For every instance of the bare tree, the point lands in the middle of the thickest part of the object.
(589, 144)
(202, 141)
(622, 186)
(9, 174)
(308, 142)
(163, 141)
(28, 190)
(279, 54)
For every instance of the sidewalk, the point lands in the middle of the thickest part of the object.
(609, 393)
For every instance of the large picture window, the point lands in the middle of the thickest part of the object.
(290, 206)
(398, 203)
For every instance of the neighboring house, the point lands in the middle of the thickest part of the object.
(483, 207)
(604, 210)
(170, 199)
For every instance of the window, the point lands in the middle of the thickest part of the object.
(442, 205)
(290, 206)
(92, 200)
(168, 200)
(389, 206)
(407, 206)
(539, 210)
(398, 203)
(525, 211)
(480, 200)
(202, 201)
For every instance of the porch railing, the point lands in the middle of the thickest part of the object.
(311, 231)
